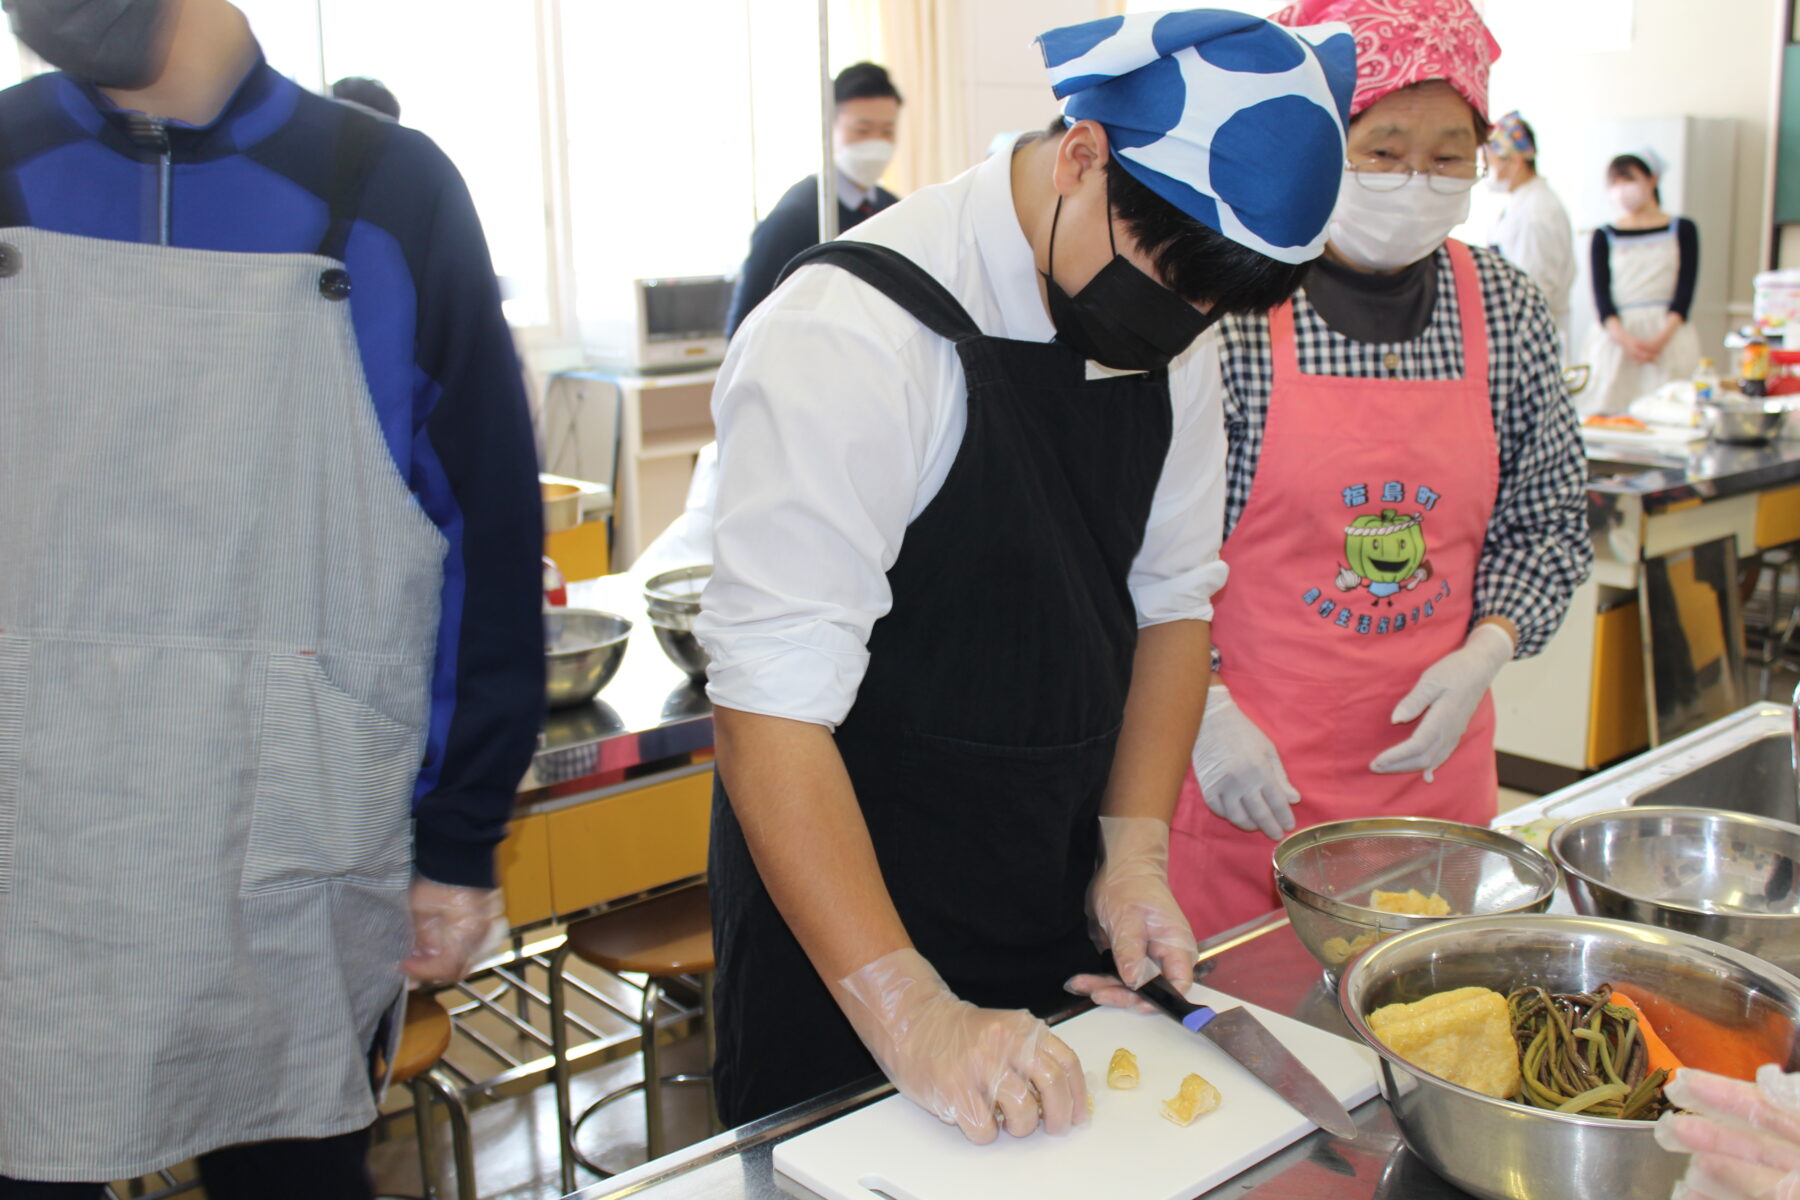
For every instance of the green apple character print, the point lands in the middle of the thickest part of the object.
(1386, 554)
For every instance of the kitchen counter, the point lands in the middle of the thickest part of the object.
(649, 713)
(1261, 962)
(1660, 477)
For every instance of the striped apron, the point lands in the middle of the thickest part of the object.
(218, 610)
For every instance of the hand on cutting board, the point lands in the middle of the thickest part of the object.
(1447, 695)
(1134, 913)
(1744, 1137)
(1238, 770)
(453, 928)
(976, 1068)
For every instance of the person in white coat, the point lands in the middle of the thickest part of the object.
(1533, 231)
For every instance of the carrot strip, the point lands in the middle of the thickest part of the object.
(1661, 1057)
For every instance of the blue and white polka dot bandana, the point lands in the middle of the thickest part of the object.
(1234, 120)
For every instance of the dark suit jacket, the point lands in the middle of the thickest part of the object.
(791, 226)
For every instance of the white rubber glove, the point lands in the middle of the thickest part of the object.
(1745, 1137)
(1448, 693)
(1134, 913)
(960, 1063)
(1240, 773)
(453, 929)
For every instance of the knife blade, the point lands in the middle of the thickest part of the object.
(1249, 1041)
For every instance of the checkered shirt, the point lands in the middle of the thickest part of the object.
(1537, 549)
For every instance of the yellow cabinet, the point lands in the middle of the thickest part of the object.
(523, 864)
(628, 842)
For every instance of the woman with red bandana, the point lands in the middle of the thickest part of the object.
(1405, 504)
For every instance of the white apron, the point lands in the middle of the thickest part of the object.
(217, 620)
(1644, 272)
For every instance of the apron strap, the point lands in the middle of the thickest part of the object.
(1470, 311)
(898, 278)
(360, 142)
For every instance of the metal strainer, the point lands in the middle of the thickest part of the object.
(1326, 873)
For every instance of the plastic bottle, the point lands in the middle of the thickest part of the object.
(1706, 382)
(1753, 373)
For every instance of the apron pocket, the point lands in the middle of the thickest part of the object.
(15, 670)
(334, 785)
(991, 846)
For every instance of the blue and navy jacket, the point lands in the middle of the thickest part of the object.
(436, 352)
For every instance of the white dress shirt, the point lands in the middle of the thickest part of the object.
(839, 417)
(1533, 233)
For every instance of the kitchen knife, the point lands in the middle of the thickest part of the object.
(1248, 1041)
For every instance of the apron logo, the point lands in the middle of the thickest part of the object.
(1384, 552)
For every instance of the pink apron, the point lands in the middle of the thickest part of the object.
(1352, 570)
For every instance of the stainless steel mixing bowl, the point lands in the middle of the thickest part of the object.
(582, 651)
(673, 597)
(1745, 422)
(1499, 1150)
(682, 647)
(1731, 877)
(1324, 875)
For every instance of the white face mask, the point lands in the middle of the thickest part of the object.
(1629, 197)
(1384, 231)
(864, 161)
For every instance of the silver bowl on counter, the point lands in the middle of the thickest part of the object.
(673, 601)
(1324, 875)
(582, 652)
(1502, 1150)
(1727, 876)
(1745, 421)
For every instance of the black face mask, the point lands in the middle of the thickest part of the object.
(109, 43)
(1122, 319)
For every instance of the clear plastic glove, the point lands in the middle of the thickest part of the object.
(1745, 1137)
(975, 1068)
(453, 929)
(1239, 771)
(1111, 991)
(1448, 693)
(1134, 913)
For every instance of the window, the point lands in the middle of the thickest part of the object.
(472, 87)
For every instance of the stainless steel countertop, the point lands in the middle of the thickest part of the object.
(1706, 470)
(1262, 962)
(649, 712)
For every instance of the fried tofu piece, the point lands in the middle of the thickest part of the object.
(1196, 1098)
(1463, 1036)
(1413, 903)
(1122, 1072)
(1340, 951)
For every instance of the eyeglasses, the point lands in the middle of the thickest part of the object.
(1390, 175)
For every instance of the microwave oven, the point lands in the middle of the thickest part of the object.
(672, 324)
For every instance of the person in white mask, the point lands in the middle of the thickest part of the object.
(1643, 267)
(1533, 230)
(863, 138)
(1405, 505)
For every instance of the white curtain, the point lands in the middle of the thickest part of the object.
(923, 41)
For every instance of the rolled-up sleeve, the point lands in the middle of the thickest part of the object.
(822, 428)
(1538, 550)
(1178, 569)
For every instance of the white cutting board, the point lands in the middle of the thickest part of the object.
(1127, 1151)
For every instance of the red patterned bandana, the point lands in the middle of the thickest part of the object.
(1403, 42)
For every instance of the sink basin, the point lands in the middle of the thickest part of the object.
(1739, 763)
(1755, 778)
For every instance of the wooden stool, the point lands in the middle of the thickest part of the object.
(663, 938)
(423, 1039)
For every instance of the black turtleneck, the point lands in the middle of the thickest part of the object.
(1366, 307)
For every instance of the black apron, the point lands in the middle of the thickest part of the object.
(983, 732)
